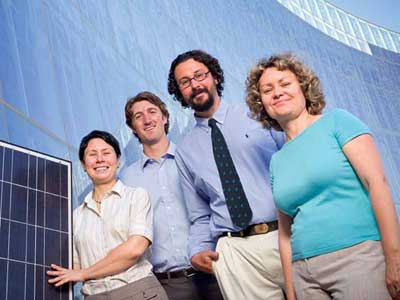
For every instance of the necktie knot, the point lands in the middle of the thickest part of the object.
(212, 123)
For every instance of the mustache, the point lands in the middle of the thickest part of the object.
(197, 92)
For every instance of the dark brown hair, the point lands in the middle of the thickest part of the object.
(200, 56)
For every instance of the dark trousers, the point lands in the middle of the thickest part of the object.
(200, 286)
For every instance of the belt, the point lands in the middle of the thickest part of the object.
(189, 272)
(253, 230)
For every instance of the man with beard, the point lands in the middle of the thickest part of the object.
(223, 164)
(148, 118)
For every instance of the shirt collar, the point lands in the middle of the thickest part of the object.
(116, 189)
(219, 116)
(144, 159)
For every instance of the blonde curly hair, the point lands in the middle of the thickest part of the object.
(309, 83)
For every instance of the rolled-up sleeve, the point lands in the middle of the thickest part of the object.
(141, 214)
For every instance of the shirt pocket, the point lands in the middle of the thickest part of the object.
(260, 140)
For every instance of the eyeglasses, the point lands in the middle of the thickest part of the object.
(199, 76)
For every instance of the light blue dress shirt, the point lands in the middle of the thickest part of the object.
(251, 148)
(171, 224)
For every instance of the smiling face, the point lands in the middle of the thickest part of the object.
(281, 95)
(148, 122)
(200, 95)
(100, 161)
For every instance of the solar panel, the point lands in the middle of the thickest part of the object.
(35, 223)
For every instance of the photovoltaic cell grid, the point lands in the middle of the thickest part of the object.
(35, 223)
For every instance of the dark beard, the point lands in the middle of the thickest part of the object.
(201, 107)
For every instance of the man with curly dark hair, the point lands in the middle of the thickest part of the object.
(223, 163)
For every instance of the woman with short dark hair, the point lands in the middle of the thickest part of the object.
(112, 231)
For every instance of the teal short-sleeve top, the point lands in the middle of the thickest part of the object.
(313, 182)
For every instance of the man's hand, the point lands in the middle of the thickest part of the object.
(202, 261)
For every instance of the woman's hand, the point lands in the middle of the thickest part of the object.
(393, 276)
(63, 275)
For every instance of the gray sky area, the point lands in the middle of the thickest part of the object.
(384, 13)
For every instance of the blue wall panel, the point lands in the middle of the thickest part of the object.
(67, 67)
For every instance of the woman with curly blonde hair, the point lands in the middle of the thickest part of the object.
(339, 236)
